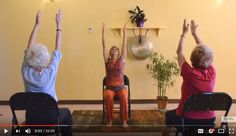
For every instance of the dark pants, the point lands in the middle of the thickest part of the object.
(191, 125)
(50, 117)
(65, 119)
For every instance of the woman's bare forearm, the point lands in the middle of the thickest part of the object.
(33, 35)
(59, 30)
(124, 45)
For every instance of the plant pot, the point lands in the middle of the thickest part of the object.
(162, 102)
(140, 23)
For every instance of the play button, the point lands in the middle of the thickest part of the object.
(5, 131)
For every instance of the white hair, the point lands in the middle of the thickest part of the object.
(37, 55)
(201, 57)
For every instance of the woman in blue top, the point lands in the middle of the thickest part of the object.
(39, 73)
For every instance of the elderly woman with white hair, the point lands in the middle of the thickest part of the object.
(39, 73)
(198, 78)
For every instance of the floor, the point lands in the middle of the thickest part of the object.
(6, 116)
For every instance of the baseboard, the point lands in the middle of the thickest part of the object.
(133, 101)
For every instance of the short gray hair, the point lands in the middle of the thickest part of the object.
(37, 55)
(201, 57)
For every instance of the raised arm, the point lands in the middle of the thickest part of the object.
(105, 51)
(124, 45)
(193, 27)
(181, 58)
(58, 35)
(32, 39)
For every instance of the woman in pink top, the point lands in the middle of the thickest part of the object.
(114, 64)
(198, 78)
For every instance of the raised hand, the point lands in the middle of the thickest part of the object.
(193, 27)
(38, 17)
(185, 27)
(59, 18)
(103, 27)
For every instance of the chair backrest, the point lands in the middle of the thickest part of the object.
(126, 80)
(208, 101)
(30, 101)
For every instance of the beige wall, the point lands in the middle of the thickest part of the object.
(82, 68)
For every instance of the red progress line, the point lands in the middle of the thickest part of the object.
(24, 125)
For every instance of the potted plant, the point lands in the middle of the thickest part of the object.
(163, 71)
(138, 16)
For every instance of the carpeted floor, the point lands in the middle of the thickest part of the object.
(141, 121)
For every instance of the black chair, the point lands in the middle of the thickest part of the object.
(206, 102)
(116, 98)
(40, 103)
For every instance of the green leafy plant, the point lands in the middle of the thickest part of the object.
(163, 71)
(138, 16)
